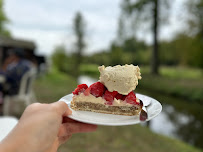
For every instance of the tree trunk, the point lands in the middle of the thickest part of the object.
(154, 57)
(79, 56)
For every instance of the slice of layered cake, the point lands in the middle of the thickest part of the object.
(112, 94)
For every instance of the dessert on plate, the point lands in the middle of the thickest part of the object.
(112, 94)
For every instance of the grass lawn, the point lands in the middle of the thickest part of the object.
(183, 82)
(176, 72)
(52, 86)
(133, 138)
(189, 89)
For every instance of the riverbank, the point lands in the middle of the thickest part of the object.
(50, 87)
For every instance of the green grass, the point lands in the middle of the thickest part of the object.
(176, 72)
(125, 139)
(189, 89)
(183, 82)
(52, 86)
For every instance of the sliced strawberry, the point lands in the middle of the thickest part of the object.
(97, 89)
(87, 92)
(131, 98)
(119, 96)
(109, 96)
(80, 88)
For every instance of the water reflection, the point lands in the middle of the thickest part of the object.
(179, 119)
(186, 119)
(168, 121)
(161, 124)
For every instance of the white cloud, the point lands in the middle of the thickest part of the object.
(49, 22)
(177, 21)
(45, 40)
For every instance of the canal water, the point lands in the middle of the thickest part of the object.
(178, 119)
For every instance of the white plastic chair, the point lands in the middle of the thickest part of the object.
(15, 105)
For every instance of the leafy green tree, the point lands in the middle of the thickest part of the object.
(169, 57)
(131, 51)
(133, 45)
(59, 59)
(79, 31)
(143, 11)
(116, 55)
(3, 21)
(195, 20)
(121, 36)
(99, 58)
(185, 50)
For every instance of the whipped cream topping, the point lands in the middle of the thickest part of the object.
(90, 98)
(122, 79)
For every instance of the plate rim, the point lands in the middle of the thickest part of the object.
(111, 124)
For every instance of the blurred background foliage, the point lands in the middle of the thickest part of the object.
(172, 72)
(185, 49)
(3, 20)
(178, 58)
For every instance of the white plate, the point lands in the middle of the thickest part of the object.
(113, 120)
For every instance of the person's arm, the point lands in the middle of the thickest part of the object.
(43, 128)
(9, 146)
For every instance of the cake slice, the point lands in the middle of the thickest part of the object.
(112, 94)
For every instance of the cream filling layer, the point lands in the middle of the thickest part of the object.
(90, 98)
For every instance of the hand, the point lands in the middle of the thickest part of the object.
(43, 128)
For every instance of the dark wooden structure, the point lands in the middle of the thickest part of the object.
(7, 45)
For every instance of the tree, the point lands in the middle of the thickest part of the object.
(3, 21)
(120, 32)
(145, 10)
(195, 20)
(134, 45)
(79, 31)
(59, 59)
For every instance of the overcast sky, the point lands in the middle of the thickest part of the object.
(49, 22)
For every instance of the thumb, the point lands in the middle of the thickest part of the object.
(62, 108)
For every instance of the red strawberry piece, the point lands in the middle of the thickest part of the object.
(124, 96)
(97, 89)
(80, 88)
(131, 98)
(109, 96)
(87, 92)
(119, 96)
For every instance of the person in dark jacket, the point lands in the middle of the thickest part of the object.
(14, 68)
